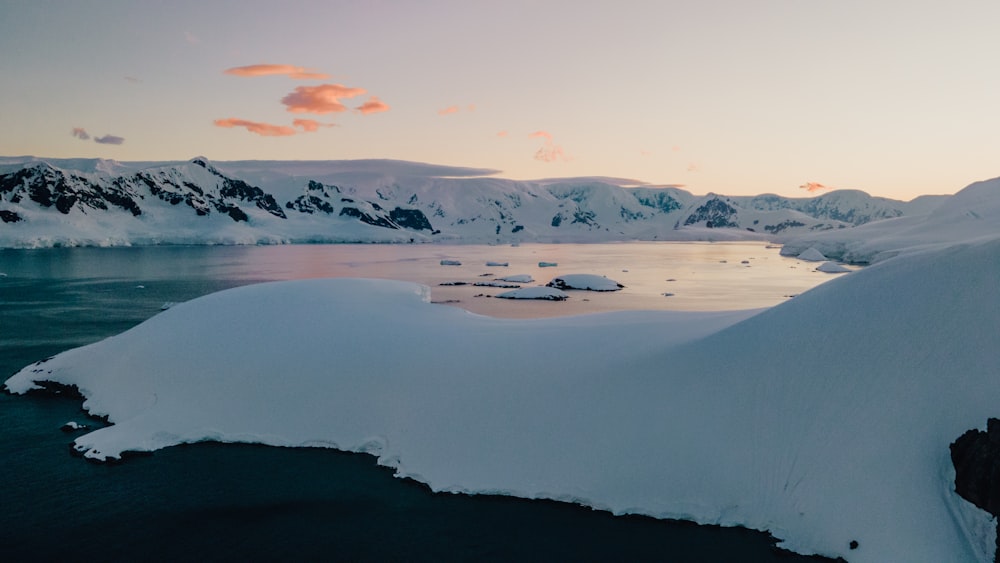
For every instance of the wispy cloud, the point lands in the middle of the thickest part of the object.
(132, 79)
(310, 125)
(262, 129)
(549, 152)
(191, 38)
(451, 110)
(373, 105)
(502, 133)
(324, 98)
(296, 72)
(80, 133)
(814, 187)
(109, 140)
(694, 167)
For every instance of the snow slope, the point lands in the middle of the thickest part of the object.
(825, 420)
(972, 213)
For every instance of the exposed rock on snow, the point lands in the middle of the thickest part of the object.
(450, 263)
(547, 264)
(498, 264)
(585, 281)
(542, 293)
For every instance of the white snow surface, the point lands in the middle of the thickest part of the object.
(825, 419)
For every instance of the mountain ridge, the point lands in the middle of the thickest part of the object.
(96, 202)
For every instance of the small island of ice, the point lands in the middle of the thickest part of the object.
(517, 278)
(543, 293)
(585, 281)
(832, 268)
(812, 255)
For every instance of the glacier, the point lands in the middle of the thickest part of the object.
(825, 420)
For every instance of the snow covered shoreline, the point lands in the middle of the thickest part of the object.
(824, 420)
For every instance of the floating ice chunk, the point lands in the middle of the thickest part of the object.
(517, 278)
(832, 268)
(585, 281)
(538, 292)
(498, 264)
(497, 284)
(812, 255)
(72, 426)
(450, 263)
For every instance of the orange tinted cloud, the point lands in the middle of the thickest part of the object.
(263, 129)
(310, 125)
(324, 98)
(296, 72)
(448, 110)
(80, 133)
(814, 187)
(373, 105)
(502, 133)
(549, 152)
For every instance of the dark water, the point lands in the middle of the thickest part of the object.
(245, 502)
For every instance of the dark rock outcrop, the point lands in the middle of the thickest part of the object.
(976, 457)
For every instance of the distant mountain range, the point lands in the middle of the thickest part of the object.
(72, 202)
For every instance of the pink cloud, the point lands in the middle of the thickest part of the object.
(296, 72)
(471, 107)
(310, 125)
(448, 110)
(324, 98)
(373, 105)
(549, 152)
(814, 187)
(80, 133)
(502, 133)
(262, 129)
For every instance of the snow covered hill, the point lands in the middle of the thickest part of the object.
(49, 202)
(826, 420)
(972, 213)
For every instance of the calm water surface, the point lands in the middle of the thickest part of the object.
(244, 502)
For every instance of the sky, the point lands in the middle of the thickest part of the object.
(894, 97)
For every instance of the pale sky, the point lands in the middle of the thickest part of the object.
(895, 97)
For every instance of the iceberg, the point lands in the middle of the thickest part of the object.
(543, 293)
(812, 255)
(832, 268)
(738, 418)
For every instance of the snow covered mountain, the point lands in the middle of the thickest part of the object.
(69, 202)
(970, 214)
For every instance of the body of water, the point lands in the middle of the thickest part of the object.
(245, 502)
